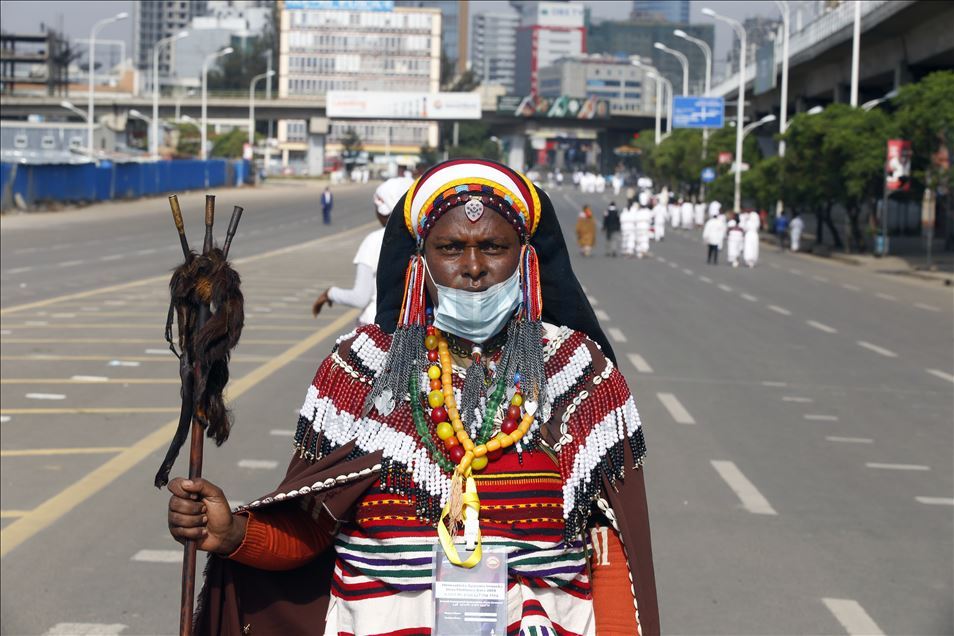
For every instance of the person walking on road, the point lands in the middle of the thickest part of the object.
(795, 229)
(713, 233)
(627, 224)
(612, 229)
(735, 237)
(687, 214)
(586, 231)
(781, 230)
(644, 221)
(750, 251)
(327, 202)
(699, 213)
(659, 219)
(363, 294)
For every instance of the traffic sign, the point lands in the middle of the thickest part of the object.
(698, 112)
(708, 175)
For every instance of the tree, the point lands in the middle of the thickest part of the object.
(250, 58)
(231, 144)
(351, 145)
(473, 140)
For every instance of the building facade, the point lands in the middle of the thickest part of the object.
(604, 77)
(455, 17)
(375, 47)
(676, 11)
(547, 32)
(155, 20)
(631, 37)
(493, 49)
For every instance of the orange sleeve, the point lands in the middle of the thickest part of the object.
(613, 599)
(283, 539)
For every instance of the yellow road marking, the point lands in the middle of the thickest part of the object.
(155, 341)
(70, 497)
(50, 357)
(143, 325)
(8, 514)
(72, 381)
(39, 452)
(93, 410)
(155, 279)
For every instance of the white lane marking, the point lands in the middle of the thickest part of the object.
(63, 315)
(158, 352)
(639, 362)
(85, 629)
(36, 323)
(673, 265)
(258, 464)
(797, 272)
(5, 332)
(879, 350)
(661, 259)
(897, 466)
(936, 501)
(114, 303)
(158, 556)
(19, 270)
(937, 373)
(592, 300)
(71, 263)
(291, 299)
(812, 417)
(123, 363)
(750, 298)
(675, 408)
(752, 500)
(926, 307)
(616, 334)
(281, 432)
(602, 315)
(821, 326)
(89, 309)
(45, 396)
(687, 271)
(4, 419)
(850, 440)
(264, 310)
(26, 250)
(800, 400)
(112, 257)
(775, 265)
(705, 279)
(852, 617)
(885, 296)
(149, 250)
(820, 279)
(90, 378)
(770, 383)
(724, 287)
(851, 287)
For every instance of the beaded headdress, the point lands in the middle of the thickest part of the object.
(477, 185)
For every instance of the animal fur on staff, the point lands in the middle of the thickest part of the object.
(203, 281)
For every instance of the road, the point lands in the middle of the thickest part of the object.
(798, 417)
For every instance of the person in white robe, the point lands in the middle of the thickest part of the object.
(734, 239)
(699, 214)
(659, 220)
(643, 221)
(687, 213)
(750, 250)
(627, 228)
(675, 213)
(713, 234)
(795, 229)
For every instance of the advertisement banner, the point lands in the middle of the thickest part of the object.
(698, 112)
(564, 107)
(725, 157)
(765, 77)
(897, 167)
(375, 104)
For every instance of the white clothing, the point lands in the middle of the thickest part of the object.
(750, 252)
(687, 214)
(644, 198)
(360, 296)
(795, 229)
(734, 243)
(659, 221)
(700, 214)
(715, 208)
(713, 233)
(674, 215)
(617, 184)
(643, 219)
(627, 226)
(389, 193)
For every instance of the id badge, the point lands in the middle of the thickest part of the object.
(470, 601)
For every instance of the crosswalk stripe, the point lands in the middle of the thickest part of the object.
(752, 500)
(85, 629)
(675, 408)
(639, 362)
(158, 556)
(852, 617)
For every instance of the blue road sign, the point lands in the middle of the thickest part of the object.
(708, 175)
(698, 112)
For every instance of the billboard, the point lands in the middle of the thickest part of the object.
(897, 167)
(378, 104)
(564, 107)
(765, 77)
(698, 112)
(350, 5)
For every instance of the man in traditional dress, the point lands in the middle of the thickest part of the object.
(713, 233)
(644, 222)
(659, 219)
(627, 224)
(545, 468)
(750, 224)
(733, 246)
(795, 229)
(687, 212)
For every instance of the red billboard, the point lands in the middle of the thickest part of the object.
(897, 166)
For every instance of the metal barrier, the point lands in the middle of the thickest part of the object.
(32, 185)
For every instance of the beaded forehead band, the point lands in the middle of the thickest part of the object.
(471, 182)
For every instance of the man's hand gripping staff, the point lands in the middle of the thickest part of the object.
(207, 302)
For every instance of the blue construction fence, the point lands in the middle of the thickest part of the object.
(33, 185)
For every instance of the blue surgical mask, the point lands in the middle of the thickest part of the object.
(476, 316)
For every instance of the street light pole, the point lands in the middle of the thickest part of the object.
(740, 109)
(855, 53)
(203, 133)
(785, 10)
(251, 105)
(188, 93)
(154, 141)
(659, 89)
(70, 107)
(92, 62)
(707, 53)
(683, 60)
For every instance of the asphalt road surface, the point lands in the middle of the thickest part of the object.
(798, 416)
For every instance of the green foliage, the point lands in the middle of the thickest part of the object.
(230, 144)
(351, 143)
(234, 71)
(473, 140)
(925, 116)
(189, 140)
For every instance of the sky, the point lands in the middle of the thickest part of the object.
(76, 18)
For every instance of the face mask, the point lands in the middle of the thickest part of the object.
(476, 316)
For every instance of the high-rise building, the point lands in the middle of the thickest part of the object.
(661, 11)
(372, 46)
(454, 30)
(155, 20)
(493, 48)
(758, 30)
(601, 76)
(547, 32)
(631, 37)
